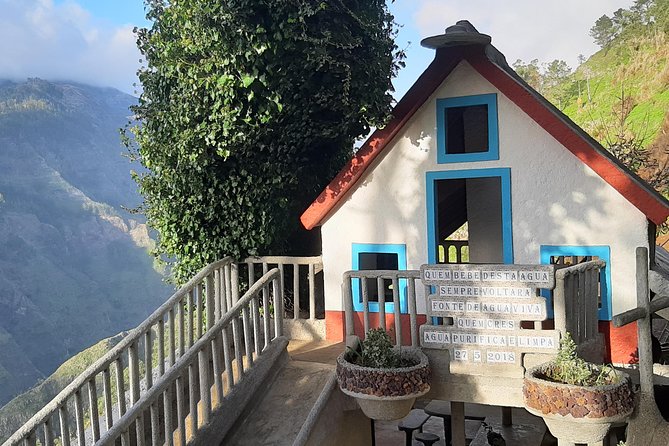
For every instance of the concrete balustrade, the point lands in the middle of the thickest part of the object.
(575, 303)
(95, 401)
(298, 268)
(382, 276)
(198, 378)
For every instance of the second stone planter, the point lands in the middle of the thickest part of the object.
(577, 414)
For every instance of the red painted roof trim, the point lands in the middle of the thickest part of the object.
(656, 209)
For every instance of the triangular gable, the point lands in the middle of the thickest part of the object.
(493, 67)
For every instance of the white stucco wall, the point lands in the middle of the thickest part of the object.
(556, 199)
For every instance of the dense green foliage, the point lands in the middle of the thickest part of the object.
(249, 107)
(644, 17)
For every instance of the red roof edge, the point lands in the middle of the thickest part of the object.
(420, 91)
(655, 207)
(656, 210)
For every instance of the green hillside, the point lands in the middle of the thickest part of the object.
(630, 79)
(74, 264)
(620, 95)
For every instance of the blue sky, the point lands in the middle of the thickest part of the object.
(91, 41)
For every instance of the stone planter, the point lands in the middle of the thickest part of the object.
(577, 414)
(385, 394)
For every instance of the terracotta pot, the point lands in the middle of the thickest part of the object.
(389, 393)
(577, 414)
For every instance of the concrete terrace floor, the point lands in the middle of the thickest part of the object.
(528, 430)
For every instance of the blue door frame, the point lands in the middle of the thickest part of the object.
(503, 173)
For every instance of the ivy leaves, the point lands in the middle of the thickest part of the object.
(248, 108)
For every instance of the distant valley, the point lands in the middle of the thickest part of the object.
(74, 264)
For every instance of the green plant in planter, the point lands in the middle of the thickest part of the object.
(377, 351)
(578, 401)
(569, 368)
(384, 379)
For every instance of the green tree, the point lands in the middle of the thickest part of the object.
(556, 72)
(530, 73)
(603, 31)
(248, 108)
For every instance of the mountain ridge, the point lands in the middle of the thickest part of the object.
(74, 263)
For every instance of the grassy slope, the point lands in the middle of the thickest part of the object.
(640, 69)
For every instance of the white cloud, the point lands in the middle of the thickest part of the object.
(63, 42)
(522, 29)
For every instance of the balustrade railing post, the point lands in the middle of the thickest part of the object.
(382, 302)
(192, 398)
(120, 386)
(107, 391)
(93, 405)
(365, 301)
(251, 272)
(210, 301)
(559, 304)
(65, 425)
(155, 426)
(171, 338)
(312, 292)
(593, 306)
(133, 366)
(255, 314)
(148, 359)
(234, 278)
(226, 301)
(296, 291)
(277, 291)
(227, 357)
(412, 311)
(205, 385)
(190, 303)
(217, 294)
(266, 316)
(167, 416)
(237, 342)
(181, 409)
(217, 361)
(396, 310)
(48, 433)
(348, 305)
(199, 309)
(161, 347)
(79, 418)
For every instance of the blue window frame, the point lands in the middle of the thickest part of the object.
(371, 256)
(467, 129)
(550, 252)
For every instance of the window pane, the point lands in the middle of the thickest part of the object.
(374, 260)
(467, 129)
